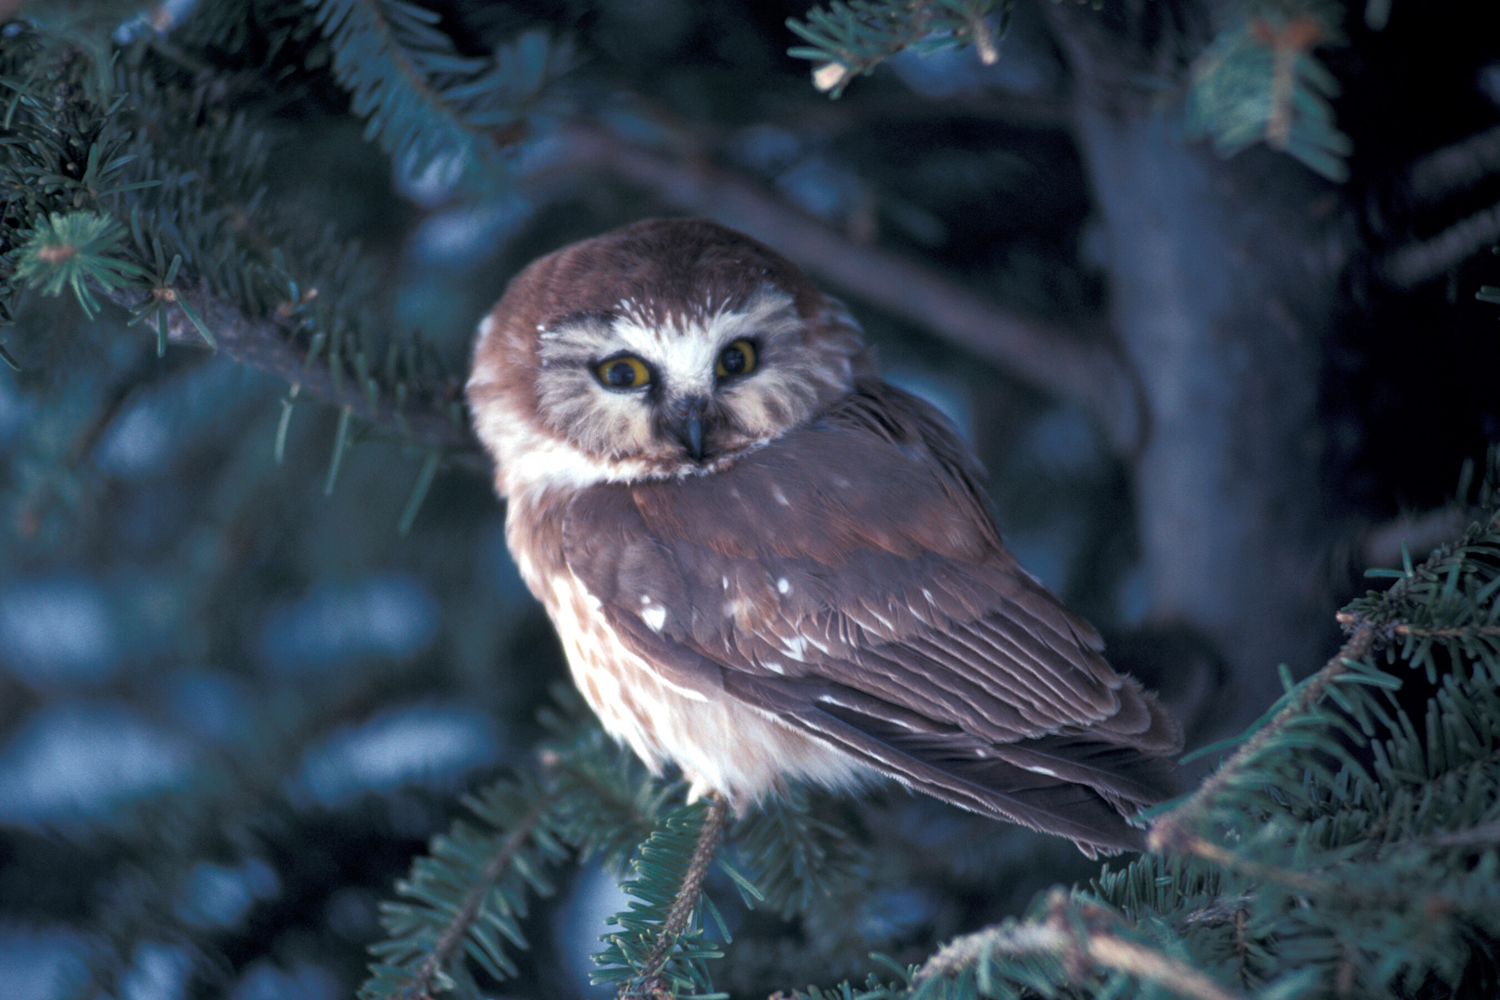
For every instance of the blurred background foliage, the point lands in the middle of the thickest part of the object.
(258, 625)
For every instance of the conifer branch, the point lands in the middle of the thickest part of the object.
(1080, 935)
(424, 102)
(437, 423)
(429, 971)
(1258, 81)
(661, 949)
(1171, 831)
(851, 37)
(464, 898)
(681, 913)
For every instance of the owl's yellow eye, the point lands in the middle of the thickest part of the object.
(624, 372)
(736, 359)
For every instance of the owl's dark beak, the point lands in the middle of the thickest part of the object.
(688, 427)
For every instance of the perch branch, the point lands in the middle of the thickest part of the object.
(650, 983)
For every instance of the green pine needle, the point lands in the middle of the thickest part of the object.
(851, 38)
(1258, 82)
(418, 493)
(72, 250)
(423, 102)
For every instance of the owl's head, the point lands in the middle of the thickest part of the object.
(668, 347)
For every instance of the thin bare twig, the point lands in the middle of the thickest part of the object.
(1455, 167)
(1417, 262)
(1459, 632)
(1381, 545)
(1043, 111)
(1483, 835)
(1049, 357)
(1113, 952)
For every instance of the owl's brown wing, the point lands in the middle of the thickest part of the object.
(848, 579)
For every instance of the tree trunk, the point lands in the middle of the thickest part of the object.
(1222, 280)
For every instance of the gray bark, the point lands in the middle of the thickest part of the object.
(1221, 282)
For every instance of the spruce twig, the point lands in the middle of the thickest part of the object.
(268, 346)
(1172, 831)
(432, 966)
(651, 983)
(1077, 935)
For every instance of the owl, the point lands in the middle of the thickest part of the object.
(766, 564)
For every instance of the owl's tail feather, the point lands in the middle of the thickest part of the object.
(1072, 785)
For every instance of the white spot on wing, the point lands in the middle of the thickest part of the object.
(780, 496)
(782, 585)
(773, 665)
(654, 618)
